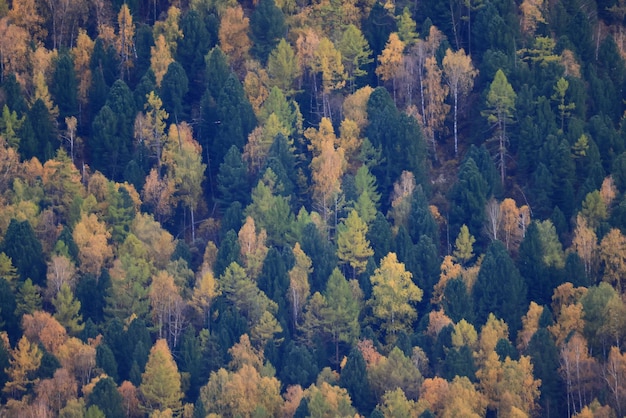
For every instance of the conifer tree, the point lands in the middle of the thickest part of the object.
(352, 245)
(68, 310)
(161, 382)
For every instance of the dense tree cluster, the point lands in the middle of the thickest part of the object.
(282, 208)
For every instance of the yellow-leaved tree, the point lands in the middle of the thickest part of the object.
(161, 381)
(394, 296)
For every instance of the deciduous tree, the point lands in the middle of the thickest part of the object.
(161, 382)
(394, 295)
(459, 73)
(499, 113)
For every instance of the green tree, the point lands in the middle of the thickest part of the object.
(468, 199)
(393, 296)
(25, 251)
(352, 245)
(283, 68)
(174, 87)
(341, 311)
(232, 179)
(28, 298)
(399, 138)
(267, 27)
(192, 49)
(500, 107)
(499, 288)
(354, 379)
(65, 85)
(68, 310)
(355, 53)
(107, 399)
(161, 382)
(43, 142)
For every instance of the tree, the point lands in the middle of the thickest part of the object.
(161, 382)
(68, 310)
(160, 58)
(355, 53)
(341, 311)
(91, 238)
(393, 296)
(354, 378)
(233, 35)
(435, 93)
(174, 87)
(468, 198)
(150, 128)
(65, 86)
(25, 251)
(499, 288)
(328, 165)
(299, 288)
(327, 60)
(252, 247)
(352, 245)
(183, 156)
(125, 44)
(459, 74)
(613, 256)
(282, 68)
(25, 359)
(390, 61)
(267, 27)
(232, 179)
(104, 400)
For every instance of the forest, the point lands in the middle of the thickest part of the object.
(312, 208)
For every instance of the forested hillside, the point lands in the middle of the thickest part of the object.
(294, 208)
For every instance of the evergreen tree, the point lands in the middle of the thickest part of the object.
(106, 397)
(354, 378)
(43, 142)
(468, 198)
(267, 27)
(68, 310)
(191, 50)
(232, 179)
(105, 360)
(499, 288)
(174, 87)
(352, 245)
(25, 251)
(65, 85)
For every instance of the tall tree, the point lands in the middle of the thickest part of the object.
(390, 61)
(355, 53)
(393, 296)
(500, 107)
(505, 299)
(25, 251)
(233, 35)
(352, 245)
(125, 44)
(283, 68)
(341, 311)
(267, 27)
(459, 73)
(161, 382)
(299, 288)
(183, 156)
